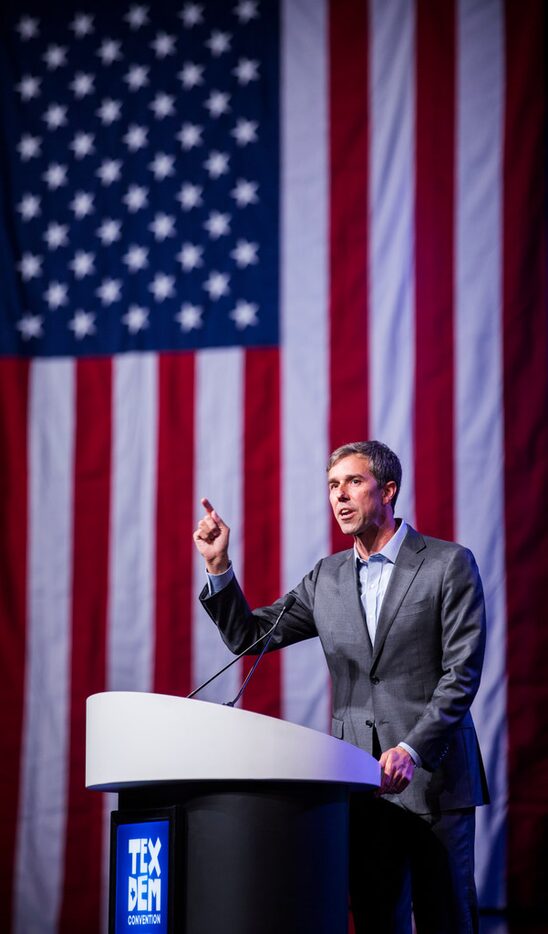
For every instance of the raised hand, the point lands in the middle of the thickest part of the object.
(211, 539)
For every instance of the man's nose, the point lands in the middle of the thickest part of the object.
(342, 493)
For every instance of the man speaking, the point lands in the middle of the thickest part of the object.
(401, 619)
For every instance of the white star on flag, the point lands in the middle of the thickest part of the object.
(190, 135)
(217, 103)
(56, 235)
(136, 258)
(82, 145)
(82, 84)
(27, 27)
(191, 75)
(82, 264)
(219, 43)
(56, 295)
(245, 193)
(30, 326)
(136, 137)
(109, 51)
(55, 57)
(137, 77)
(109, 111)
(55, 176)
(190, 196)
(216, 164)
(109, 231)
(82, 25)
(29, 87)
(190, 256)
(163, 45)
(30, 266)
(162, 166)
(29, 207)
(189, 317)
(136, 318)
(245, 253)
(246, 10)
(109, 291)
(244, 314)
(83, 323)
(217, 224)
(162, 286)
(109, 171)
(216, 284)
(245, 132)
(29, 147)
(135, 198)
(162, 226)
(55, 116)
(191, 14)
(137, 16)
(162, 106)
(82, 204)
(247, 70)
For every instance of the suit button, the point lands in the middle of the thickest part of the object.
(375, 680)
(369, 723)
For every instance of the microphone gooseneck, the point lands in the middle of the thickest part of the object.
(287, 606)
(288, 603)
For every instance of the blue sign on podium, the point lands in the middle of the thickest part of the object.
(141, 885)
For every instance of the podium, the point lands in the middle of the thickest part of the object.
(228, 821)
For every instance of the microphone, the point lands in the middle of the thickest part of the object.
(288, 603)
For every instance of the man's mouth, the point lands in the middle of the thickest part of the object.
(346, 513)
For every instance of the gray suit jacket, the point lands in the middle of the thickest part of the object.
(416, 683)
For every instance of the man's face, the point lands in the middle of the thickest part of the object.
(355, 496)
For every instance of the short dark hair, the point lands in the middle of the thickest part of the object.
(383, 463)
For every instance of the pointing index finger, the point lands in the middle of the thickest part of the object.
(210, 509)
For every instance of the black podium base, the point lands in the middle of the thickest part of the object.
(255, 858)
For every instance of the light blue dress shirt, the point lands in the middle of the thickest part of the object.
(374, 576)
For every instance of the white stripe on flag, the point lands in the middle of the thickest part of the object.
(130, 647)
(218, 471)
(391, 260)
(305, 338)
(479, 406)
(130, 631)
(41, 827)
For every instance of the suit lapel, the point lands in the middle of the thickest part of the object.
(350, 609)
(408, 562)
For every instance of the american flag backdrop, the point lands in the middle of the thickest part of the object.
(234, 235)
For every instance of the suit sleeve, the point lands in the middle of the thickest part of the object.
(240, 626)
(463, 631)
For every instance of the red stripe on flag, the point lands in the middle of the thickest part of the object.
(174, 524)
(262, 510)
(349, 168)
(434, 226)
(80, 909)
(525, 297)
(14, 392)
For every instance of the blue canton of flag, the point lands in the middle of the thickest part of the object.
(140, 208)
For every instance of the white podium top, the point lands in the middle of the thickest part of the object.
(135, 739)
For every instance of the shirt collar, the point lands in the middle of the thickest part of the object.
(391, 550)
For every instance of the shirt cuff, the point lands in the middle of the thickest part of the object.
(218, 582)
(413, 753)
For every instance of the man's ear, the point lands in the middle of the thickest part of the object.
(389, 491)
